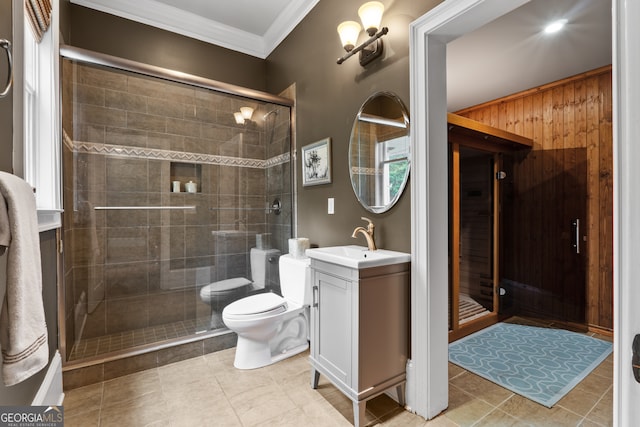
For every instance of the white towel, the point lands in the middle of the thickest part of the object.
(23, 331)
(5, 234)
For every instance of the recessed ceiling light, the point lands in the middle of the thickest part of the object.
(555, 26)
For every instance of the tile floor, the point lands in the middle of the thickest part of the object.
(208, 391)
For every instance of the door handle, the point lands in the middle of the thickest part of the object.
(575, 224)
(6, 45)
(315, 296)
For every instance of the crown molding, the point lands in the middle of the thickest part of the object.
(172, 19)
(286, 22)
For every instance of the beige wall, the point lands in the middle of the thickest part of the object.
(329, 96)
(101, 32)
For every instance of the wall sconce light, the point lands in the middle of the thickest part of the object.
(246, 112)
(371, 15)
(243, 115)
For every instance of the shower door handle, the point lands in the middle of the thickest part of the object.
(575, 225)
(6, 45)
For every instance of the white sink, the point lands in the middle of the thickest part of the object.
(357, 256)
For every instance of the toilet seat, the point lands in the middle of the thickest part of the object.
(271, 327)
(255, 306)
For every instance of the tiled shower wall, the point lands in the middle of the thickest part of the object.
(127, 137)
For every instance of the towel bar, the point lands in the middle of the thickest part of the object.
(121, 208)
(6, 45)
(240, 209)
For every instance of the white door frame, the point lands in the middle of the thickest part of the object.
(427, 373)
(626, 207)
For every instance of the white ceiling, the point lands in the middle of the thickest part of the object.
(508, 55)
(512, 53)
(254, 27)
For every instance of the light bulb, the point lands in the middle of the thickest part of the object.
(246, 112)
(555, 26)
(348, 32)
(371, 15)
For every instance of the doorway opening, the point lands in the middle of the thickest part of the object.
(430, 34)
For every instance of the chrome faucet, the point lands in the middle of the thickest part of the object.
(368, 234)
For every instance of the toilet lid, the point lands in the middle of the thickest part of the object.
(229, 284)
(257, 304)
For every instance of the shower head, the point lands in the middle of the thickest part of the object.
(271, 125)
(270, 113)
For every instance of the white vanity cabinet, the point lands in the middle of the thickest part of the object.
(360, 329)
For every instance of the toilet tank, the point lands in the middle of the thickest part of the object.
(295, 279)
(263, 264)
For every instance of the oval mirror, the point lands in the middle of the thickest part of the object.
(379, 155)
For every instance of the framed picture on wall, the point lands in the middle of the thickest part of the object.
(316, 163)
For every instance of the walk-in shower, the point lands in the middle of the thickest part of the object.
(164, 194)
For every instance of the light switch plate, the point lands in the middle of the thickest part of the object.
(330, 206)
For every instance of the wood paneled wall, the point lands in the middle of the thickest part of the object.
(573, 113)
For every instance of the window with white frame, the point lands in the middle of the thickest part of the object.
(392, 160)
(41, 147)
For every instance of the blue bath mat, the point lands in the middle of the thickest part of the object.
(541, 364)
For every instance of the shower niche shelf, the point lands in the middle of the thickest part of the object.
(185, 172)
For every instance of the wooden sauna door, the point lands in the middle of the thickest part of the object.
(544, 249)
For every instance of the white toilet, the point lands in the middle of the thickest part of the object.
(269, 327)
(221, 293)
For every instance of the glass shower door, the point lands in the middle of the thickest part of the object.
(473, 237)
(165, 194)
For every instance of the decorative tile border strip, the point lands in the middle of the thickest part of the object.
(177, 156)
(365, 171)
(278, 160)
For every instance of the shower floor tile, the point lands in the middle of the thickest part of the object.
(98, 346)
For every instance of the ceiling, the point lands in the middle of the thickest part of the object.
(254, 27)
(512, 53)
(508, 55)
